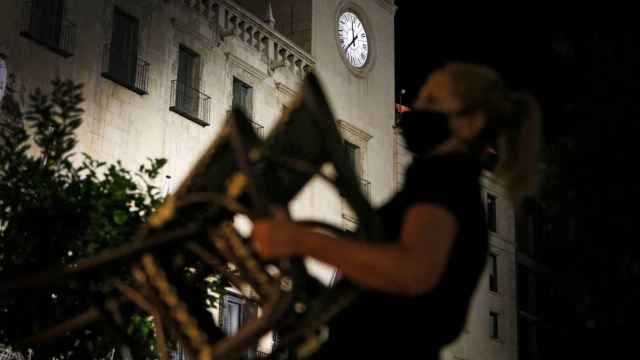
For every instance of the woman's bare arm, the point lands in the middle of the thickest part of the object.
(411, 266)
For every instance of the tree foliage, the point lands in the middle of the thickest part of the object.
(57, 207)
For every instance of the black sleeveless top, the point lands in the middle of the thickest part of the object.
(379, 325)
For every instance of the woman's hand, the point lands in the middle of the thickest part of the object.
(276, 237)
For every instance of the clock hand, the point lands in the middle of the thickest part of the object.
(352, 42)
(352, 30)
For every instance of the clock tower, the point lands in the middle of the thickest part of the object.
(353, 43)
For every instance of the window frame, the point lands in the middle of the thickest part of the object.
(492, 212)
(493, 273)
(494, 325)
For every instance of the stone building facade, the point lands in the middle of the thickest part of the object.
(161, 75)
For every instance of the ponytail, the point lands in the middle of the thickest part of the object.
(519, 146)
(513, 123)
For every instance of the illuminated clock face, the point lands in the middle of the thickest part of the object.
(353, 39)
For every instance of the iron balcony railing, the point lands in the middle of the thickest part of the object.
(190, 103)
(126, 69)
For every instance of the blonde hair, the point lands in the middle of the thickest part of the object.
(513, 123)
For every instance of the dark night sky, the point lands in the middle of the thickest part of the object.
(523, 54)
(423, 43)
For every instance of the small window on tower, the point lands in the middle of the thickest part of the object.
(491, 213)
(494, 324)
(493, 272)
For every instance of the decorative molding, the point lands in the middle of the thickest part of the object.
(362, 136)
(490, 179)
(256, 74)
(490, 183)
(284, 89)
(499, 243)
(349, 219)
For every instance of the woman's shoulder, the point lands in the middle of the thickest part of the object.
(450, 180)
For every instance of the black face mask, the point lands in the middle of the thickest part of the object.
(423, 131)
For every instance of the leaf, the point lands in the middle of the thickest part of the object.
(75, 205)
(120, 217)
